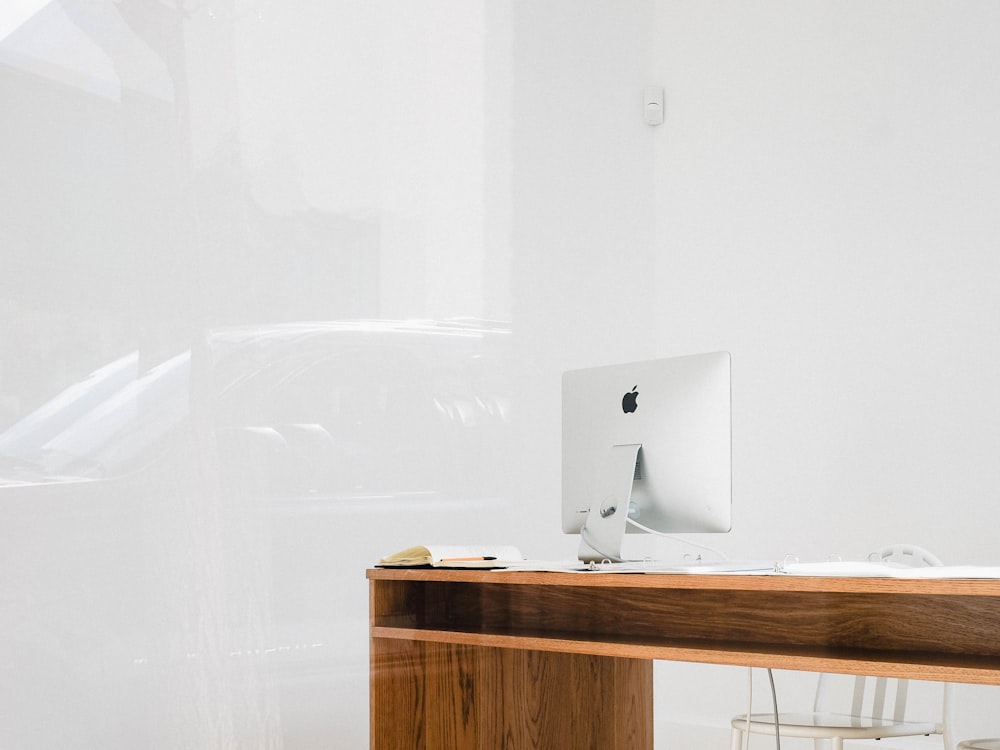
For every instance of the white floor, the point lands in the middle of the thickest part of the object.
(672, 736)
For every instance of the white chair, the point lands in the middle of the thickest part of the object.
(979, 745)
(877, 706)
(907, 554)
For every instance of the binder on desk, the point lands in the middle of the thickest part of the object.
(453, 556)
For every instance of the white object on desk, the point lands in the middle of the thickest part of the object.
(866, 569)
(851, 568)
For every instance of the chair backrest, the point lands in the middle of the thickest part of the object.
(907, 554)
(869, 697)
(876, 697)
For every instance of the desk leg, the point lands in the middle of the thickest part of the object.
(435, 696)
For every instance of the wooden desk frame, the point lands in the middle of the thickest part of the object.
(469, 660)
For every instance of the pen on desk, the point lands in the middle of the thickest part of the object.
(465, 559)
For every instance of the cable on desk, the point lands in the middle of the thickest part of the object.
(673, 537)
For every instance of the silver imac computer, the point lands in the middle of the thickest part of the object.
(647, 448)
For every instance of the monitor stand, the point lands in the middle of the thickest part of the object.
(604, 530)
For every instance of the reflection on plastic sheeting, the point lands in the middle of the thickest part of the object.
(174, 541)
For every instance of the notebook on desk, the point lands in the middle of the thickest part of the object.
(453, 556)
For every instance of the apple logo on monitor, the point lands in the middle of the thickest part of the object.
(629, 404)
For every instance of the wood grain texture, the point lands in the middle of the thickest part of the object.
(944, 587)
(492, 659)
(436, 696)
(957, 668)
(931, 627)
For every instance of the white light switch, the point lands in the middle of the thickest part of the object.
(652, 105)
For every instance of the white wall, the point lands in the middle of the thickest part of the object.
(820, 201)
(823, 208)
(824, 198)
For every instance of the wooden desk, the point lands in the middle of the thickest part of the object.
(470, 660)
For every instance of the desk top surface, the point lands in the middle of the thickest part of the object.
(987, 587)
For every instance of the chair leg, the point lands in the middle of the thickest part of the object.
(736, 741)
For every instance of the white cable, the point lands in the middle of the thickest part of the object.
(585, 534)
(675, 538)
(774, 702)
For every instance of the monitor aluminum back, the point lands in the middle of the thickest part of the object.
(682, 421)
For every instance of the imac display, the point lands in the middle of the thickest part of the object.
(646, 447)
